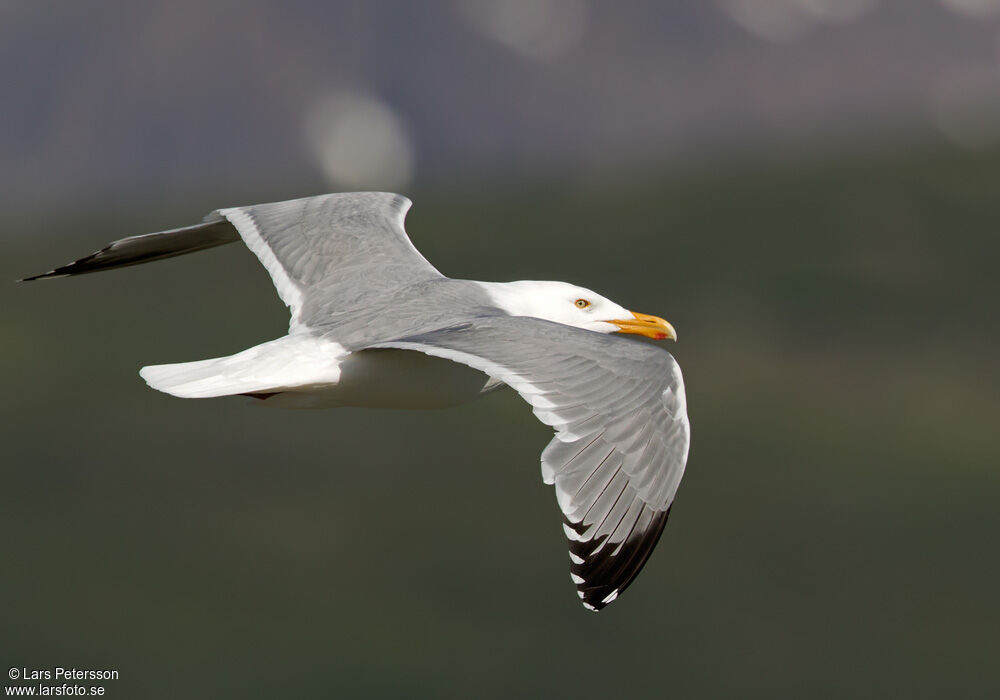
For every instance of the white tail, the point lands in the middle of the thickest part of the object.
(291, 362)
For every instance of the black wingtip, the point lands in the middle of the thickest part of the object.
(63, 271)
(51, 273)
(148, 247)
(602, 580)
(77, 267)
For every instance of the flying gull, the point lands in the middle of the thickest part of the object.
(374, 324)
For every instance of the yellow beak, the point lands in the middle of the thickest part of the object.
(649, 326)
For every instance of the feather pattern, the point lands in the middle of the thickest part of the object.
(622, 433)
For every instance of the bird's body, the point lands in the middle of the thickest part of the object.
(374, 324)
(389, 378)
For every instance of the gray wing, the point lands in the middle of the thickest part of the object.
(335, 253)
(622, 433)
(332, 256)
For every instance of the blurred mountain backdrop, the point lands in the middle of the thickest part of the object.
(104, 99)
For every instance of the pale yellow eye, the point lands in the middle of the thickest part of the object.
(582, 303)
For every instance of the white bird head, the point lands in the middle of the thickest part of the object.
(571, 305)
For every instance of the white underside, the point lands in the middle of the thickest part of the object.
(302, 371)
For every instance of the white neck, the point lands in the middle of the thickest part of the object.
(513, 297)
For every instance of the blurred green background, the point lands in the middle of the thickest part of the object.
(811, 195)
